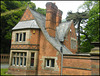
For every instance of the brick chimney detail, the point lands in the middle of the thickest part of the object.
(51, 10)
(58, 17)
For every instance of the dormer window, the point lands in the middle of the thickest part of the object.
(20, 37)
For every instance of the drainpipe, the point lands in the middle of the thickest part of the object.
(61, 59)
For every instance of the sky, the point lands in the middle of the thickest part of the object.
(64, 6)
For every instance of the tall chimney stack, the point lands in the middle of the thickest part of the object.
(58, 17)
(51, 11)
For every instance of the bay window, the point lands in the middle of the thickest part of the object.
(19, 58)
(20, 37)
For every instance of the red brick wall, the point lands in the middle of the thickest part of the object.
(46, 49)
(17, 71)
(67, 42)
(95, 65)
(76, 65)
(34, 37)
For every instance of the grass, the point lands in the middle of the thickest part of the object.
(3, 71)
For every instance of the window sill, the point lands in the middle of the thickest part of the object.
(49, 68)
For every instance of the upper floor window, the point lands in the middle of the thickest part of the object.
(73, 43)
(20, 37)
(17, 36)
(24, 36)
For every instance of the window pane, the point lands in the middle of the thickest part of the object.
(32, 54)
(20, 37)
(17, 60)
(24, 36)
(21, 61)
(52, 62)
(17, 54)
(25, 54)
(21, 54)
(17, 36)
(13, 61)
(24, 61)
(47, 62)
(32, 61)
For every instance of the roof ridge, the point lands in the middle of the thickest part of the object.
(37, 12)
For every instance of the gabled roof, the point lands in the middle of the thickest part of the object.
(62, 30)
(26, 24)
(39, 21)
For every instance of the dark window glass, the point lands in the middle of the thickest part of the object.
(24, 36)
(52, 62)
(17, 54)
(17, 60)
(24, 61)
(47, 62)
(25, 54)
(32, 54)
(21, 61)
(21, 54)
(20, 37)
(32, 59)
(17, 36)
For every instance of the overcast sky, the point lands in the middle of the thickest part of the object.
(64, 6)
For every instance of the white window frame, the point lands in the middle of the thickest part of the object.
(21, 37)
(19, 60)
(46, 62)
(49, 63)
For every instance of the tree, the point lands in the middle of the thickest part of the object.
(11, 12)
(90, 18)
(77, 18)
(41, 10)
(91, 30)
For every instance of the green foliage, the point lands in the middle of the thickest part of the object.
(11, 13)
(92, 27)
(41, 10)
(85, 44)
(3, 72)
(91, 30)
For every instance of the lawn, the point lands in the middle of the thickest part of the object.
(3, 71)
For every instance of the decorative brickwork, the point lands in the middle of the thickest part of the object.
(27, 15)
(25, 46)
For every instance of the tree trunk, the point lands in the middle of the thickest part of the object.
(79, 35)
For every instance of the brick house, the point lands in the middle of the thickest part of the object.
(37, 41)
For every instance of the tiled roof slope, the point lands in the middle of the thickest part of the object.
(40, 19)
(39, 22)
(26, 24)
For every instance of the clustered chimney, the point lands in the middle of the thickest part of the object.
(58, 17)
(53, 18)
